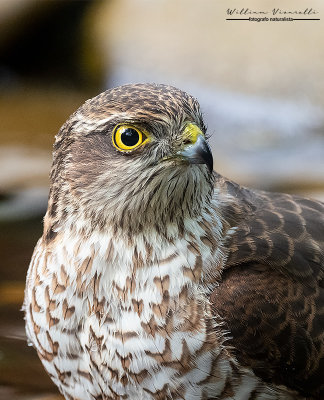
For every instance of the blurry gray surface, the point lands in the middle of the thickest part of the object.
(24, 204)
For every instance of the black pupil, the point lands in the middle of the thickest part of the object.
(129, 137)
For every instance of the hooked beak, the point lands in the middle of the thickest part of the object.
(198, 153)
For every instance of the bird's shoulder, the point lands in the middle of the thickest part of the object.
(271, 296)
(282, 231)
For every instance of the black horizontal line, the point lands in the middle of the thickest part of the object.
(294, 19)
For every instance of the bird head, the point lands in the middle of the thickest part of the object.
(133, 157)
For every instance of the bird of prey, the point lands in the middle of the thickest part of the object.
(157, 278)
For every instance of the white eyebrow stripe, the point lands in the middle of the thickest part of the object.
(86, 125)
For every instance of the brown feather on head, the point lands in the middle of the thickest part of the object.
(94, 179)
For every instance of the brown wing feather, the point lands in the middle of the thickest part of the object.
(272, 292)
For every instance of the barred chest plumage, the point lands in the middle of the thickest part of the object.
(148, 256)
(112, 319)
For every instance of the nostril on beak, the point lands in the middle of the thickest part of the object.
(187, 141)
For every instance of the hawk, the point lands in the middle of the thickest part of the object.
(157, 278)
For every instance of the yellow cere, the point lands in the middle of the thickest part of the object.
(191, 133)
(127, 137)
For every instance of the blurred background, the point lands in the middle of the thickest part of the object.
(260, 85)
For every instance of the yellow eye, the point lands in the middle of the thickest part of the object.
(127, 137)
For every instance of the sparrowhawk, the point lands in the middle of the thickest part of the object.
(157, 278)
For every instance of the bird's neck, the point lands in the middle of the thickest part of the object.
(196, 244)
